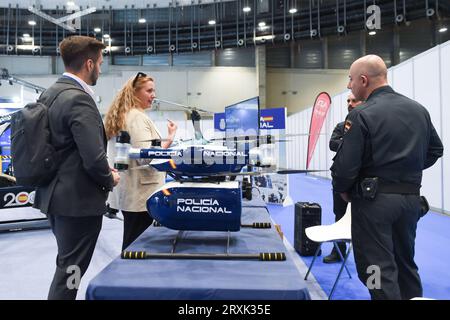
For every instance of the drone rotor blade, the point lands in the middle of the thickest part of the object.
(279, 171)
(301, 134)
(293, 171)
(151, 140)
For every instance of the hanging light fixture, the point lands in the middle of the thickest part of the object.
(293, 7)
(246, 7)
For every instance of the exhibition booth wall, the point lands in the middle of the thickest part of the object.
(210, 88)
(424, 78)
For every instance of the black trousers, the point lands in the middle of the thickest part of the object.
(383, 235)
(76, 238)
(339, 206)
(134, 223)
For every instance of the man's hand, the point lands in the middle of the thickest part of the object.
(345, 197)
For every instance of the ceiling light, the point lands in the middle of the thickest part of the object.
(212, 22)
(70, 3)
(263, 38)
(32, 23)
(443, 29)
(293, 10)
(142, 20)
(372, 33)
(106, 36)
(97, 30)
(246, 9)
(26, 35)
(262, 24)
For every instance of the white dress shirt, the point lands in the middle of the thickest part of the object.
(83, 84)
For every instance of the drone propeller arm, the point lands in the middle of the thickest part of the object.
(157, 100)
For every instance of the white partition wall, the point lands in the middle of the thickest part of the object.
(306, 123)
(402, 78)
(426, 70)
(445, 127)
(424, 78)
(290, 129)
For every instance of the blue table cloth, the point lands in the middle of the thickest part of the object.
(203, 279)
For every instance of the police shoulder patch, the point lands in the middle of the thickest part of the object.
(347, 126)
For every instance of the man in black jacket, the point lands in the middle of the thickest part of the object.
(74, 200)
(388, 141)
(339, 205)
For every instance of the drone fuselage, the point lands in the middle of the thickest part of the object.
(197, 206)
(195, 161)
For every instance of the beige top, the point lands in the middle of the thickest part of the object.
(136, 185)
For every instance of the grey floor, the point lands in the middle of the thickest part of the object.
(27, 258)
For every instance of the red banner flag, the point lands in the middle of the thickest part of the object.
(319, 113)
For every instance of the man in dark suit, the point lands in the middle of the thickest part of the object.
(339, 205)
(74, 200)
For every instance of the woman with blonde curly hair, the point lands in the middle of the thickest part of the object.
(127, 113)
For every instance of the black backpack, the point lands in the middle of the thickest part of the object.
(34, 159)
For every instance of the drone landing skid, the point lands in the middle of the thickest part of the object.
(262, 256)
(180, 234)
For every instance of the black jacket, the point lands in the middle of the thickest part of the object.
(389, 136)
(336, 136)
(84, 179)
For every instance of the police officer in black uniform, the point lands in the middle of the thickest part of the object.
(388, 141)
(339, 205)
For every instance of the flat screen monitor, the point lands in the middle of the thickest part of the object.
(242, 118)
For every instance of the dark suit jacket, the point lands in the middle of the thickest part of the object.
(84, 179)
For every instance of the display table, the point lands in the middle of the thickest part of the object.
(203, 279)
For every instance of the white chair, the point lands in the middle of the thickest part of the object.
(339, 231)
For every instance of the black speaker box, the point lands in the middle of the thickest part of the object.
(307, 214)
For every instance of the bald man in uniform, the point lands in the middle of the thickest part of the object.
(339, 205)
(389, 140)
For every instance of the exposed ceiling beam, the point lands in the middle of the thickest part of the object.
(61, 21)
(76, 15)
(51, 19)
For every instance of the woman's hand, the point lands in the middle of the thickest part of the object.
(171, 128)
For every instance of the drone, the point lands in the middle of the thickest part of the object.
(204, 194)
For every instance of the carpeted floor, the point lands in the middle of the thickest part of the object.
(432, 243)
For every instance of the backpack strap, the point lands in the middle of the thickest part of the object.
(52, 100)
(65, 151)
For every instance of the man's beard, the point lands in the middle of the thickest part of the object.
(94, 77)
